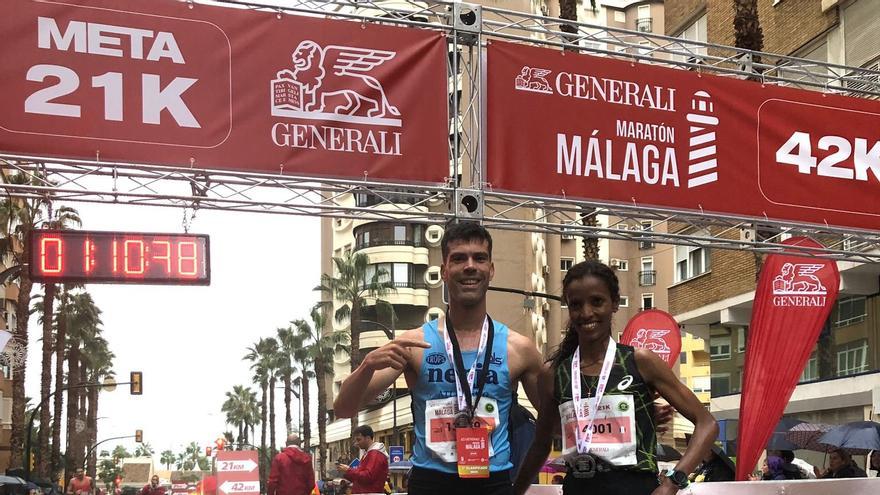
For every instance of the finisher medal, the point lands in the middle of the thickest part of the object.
(463, 420)
(583, 466)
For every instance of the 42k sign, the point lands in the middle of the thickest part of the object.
(237, 472)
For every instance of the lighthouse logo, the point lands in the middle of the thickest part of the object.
(702, 153)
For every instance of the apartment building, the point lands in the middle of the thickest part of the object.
(8, 298)
(712, 292)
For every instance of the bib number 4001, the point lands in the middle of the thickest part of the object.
(155, 98)
(798, 151)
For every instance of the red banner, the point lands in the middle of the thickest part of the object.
(173, 83)
(793, 299)
(656, 331)
(570, 125)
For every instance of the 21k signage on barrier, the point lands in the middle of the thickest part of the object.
(237, 472)
(578, 126)
(171, 83)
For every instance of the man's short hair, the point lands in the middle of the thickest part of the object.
(364, 431)
(464, 231)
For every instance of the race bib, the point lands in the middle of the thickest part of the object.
(439, 415)
(614, 436)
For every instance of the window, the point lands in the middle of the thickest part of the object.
(647, 227)
(719, 347)
(624, 302)
(849, 310)
(565, 264)
(720, 384)
(619, 16)
(647, 301)
(399, 232)
(621, 265)
(690, 261)
(741, 339)
(702, 384)
(695, 32)
(852, 358)
(401, 275)
(811, 370)
(647, 275)
(683, 358)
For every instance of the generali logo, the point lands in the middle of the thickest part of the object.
(652, 340)
(702, 164)
(797, 285)
(335, 83)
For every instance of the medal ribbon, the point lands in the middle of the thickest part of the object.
(454, 353)
(583, 444)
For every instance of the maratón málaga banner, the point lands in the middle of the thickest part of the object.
(570, 125)
(172, 83)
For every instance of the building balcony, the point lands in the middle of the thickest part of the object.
(416, 242)
(644, 25)
(647, 278)
(408, 293)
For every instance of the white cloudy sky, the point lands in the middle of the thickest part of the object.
(189, 341)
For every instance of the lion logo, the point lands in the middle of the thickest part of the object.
(533, 79)
(334, 83)
(652, 340)
(799, 278)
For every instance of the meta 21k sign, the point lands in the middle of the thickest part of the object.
(565, 124)
(172, 83)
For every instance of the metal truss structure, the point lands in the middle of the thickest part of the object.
(465, 194)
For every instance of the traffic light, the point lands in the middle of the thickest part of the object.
(207, 451)
(118, 480)
(220, 443)
(137, 383)
(139, 436)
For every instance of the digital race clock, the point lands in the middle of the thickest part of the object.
(119, 257)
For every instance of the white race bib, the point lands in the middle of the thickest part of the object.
(440, 433)
(614, 428)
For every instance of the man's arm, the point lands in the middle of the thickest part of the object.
(529, 364)
(378, 371)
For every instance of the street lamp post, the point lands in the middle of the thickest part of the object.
(389, 332)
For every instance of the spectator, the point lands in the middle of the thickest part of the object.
(80, 484)
(840, 465)
(370, 474)
(291, 472)
(153, 488)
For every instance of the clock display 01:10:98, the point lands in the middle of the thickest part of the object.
(119, 257)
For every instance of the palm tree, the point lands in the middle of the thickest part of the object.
(287, 343)
(98, 364)
(322, 353)
(167, 458)
(83, 324)
(261, 356)
(144, 450)
(18, 217)
(60, 218)
(354, 284)
(305, 337)
(241, 410)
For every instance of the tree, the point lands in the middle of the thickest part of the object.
(83, 325)
(568, 10)
(262, 356)
(18, 217)
(97, 364)
(59, 218)
(304, 337)
(287, 343)
(144, 450)
(322, 355)
(167, 458)
(242, 410)
(354, 283)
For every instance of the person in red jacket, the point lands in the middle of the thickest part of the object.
(369, 476)
(153, 488)
(291, 472)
